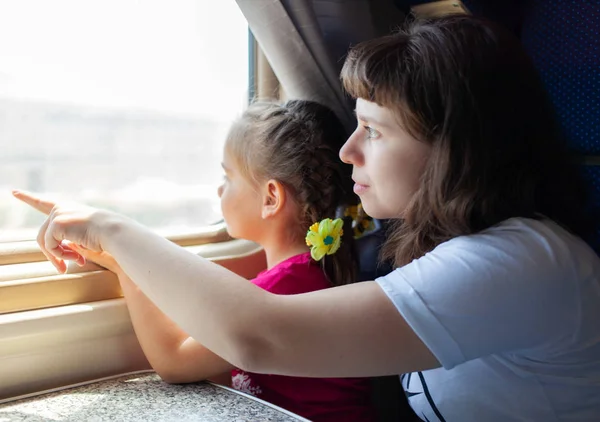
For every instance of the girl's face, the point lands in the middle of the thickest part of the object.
(240, 202)
(388, 162)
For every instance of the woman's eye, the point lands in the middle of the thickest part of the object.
(371, 133)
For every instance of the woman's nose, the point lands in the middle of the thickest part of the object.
(349, 152)
(220, 190)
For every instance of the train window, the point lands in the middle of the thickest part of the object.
(121, 104)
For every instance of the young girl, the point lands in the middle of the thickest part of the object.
(282, 177)
(493, 310)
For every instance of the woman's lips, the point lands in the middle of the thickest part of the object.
(359, 188)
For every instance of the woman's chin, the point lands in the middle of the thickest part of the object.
(378, 212)
(373, 210)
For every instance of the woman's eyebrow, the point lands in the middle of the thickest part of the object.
(368, 119)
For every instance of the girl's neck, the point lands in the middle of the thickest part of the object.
(278, 251)
(279, 237)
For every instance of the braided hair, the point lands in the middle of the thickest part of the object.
(297, 143)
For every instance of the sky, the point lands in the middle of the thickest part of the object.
(174, 56)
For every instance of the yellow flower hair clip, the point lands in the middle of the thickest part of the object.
(324, 238)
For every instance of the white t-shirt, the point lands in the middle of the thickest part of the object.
(513, 315)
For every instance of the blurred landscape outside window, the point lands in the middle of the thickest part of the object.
(120, 104)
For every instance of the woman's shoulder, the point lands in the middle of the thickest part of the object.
(531, 236)
(537, 252)
(518, 247)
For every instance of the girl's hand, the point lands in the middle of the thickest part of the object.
(65, 225)
(104, 259)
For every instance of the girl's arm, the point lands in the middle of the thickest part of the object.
(346, 331)
(171, 352)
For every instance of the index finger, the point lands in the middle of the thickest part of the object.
(40, 204)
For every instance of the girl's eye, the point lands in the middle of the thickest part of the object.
(371, 133)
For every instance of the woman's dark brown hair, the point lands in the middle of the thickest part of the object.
(466, 86)
(297, 144)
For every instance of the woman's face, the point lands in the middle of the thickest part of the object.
(388, 162)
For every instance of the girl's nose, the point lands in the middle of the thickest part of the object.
(220, 191)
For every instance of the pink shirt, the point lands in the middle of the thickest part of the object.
(317, 399)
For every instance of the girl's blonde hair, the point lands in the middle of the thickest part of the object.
(297, 143)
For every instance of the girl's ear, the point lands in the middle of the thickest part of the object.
(274, 198)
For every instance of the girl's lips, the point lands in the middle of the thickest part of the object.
(358, 188)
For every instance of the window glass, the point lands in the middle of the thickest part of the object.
(121, 104)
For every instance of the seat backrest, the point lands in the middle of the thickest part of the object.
(561, 37)
(368, 247)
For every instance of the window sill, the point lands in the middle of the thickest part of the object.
(27, 284)
(28, 251)
(83, 339)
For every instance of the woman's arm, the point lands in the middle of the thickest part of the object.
(345, 331)
(352, 330)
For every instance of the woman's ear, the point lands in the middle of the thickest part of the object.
(274, 198)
